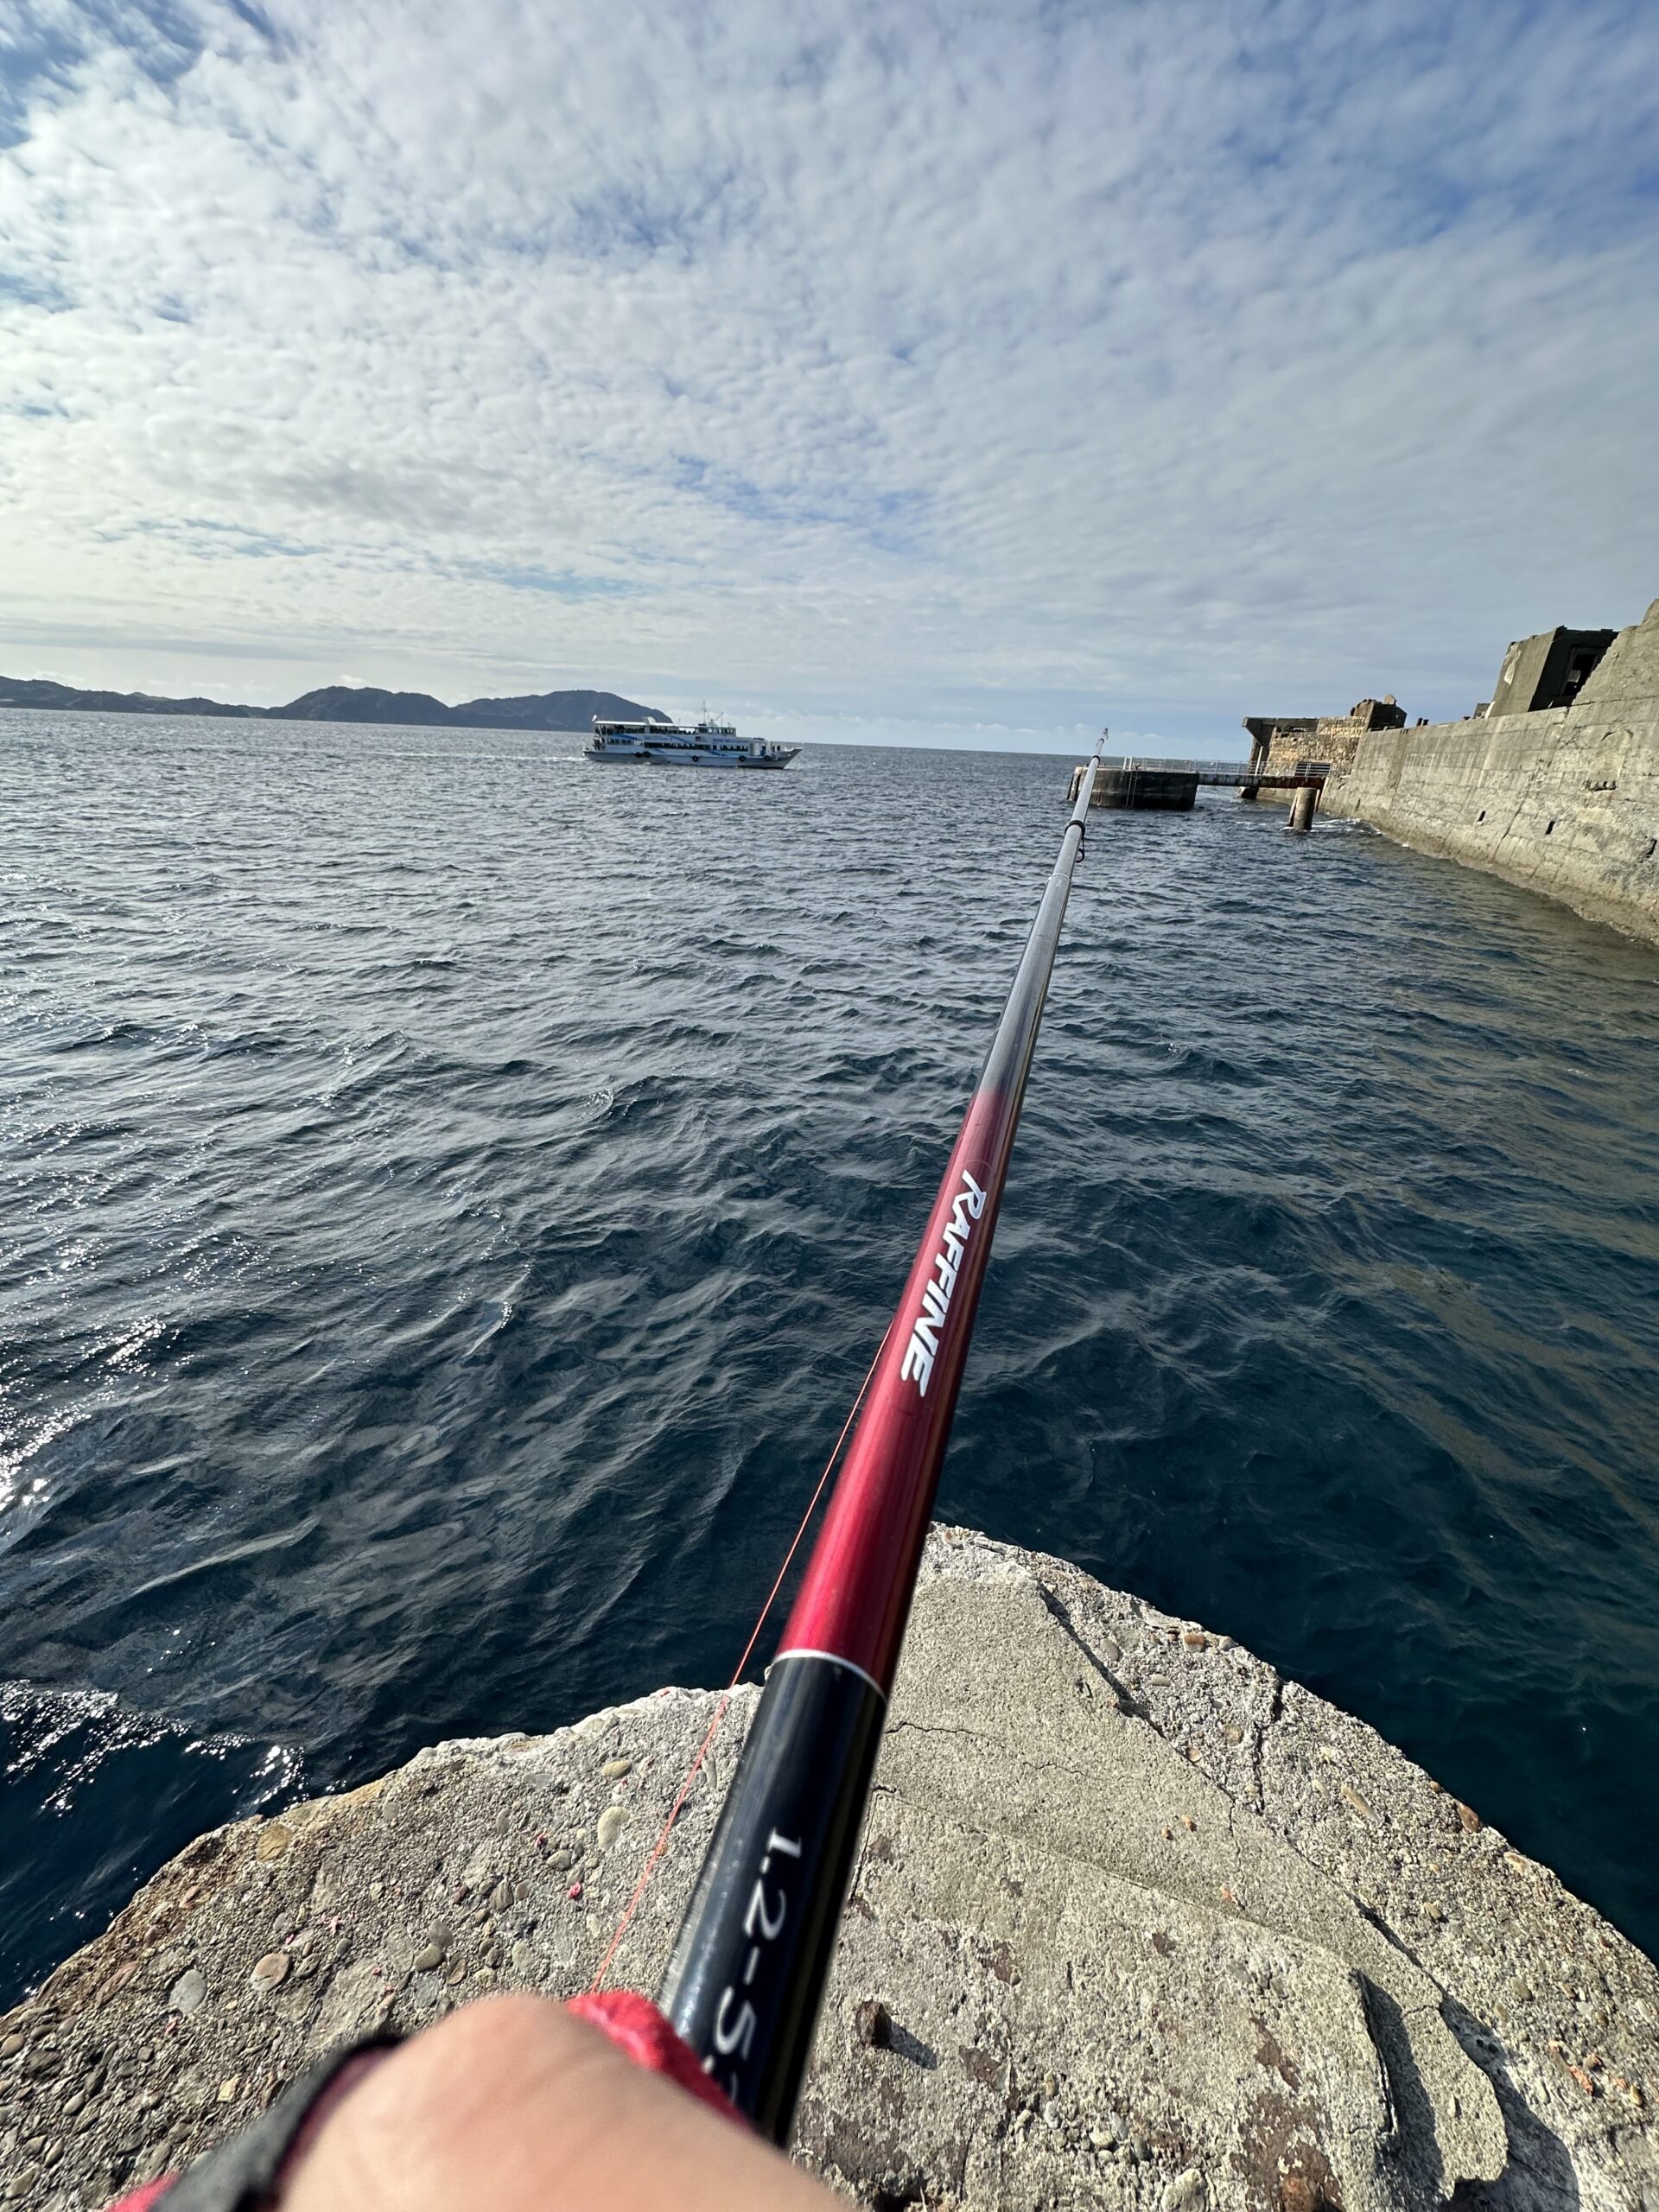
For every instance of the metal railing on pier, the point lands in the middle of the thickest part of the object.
(1240, 768)
(1221, 772)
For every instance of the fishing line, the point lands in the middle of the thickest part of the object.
(695, 1767)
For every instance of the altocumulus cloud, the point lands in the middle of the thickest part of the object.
(939, 369)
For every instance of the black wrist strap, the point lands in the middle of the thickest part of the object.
(240, 2175)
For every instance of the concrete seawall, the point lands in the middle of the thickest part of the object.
(1565, 802)
(1136, 1922)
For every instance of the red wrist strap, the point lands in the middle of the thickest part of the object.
(648, 2038)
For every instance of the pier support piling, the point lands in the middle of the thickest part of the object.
(1302, 803)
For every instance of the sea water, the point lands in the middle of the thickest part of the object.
(449, 1194)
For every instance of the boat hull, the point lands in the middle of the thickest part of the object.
(684, 759)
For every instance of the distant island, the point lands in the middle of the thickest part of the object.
(350, 702)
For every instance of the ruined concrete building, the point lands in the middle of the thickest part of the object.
(1284, 744)
(1548, 671)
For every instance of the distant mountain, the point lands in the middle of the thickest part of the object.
(552, 710)
(361, 702)
(570, 710)
(20, 692)
(352, 703)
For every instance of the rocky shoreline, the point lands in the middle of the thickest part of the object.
(1136, 1922)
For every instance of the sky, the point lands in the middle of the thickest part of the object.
(961, 374)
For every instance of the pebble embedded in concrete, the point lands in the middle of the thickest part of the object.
(270, 1971)
(188, 1993)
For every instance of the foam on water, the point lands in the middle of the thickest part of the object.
(451, 1194)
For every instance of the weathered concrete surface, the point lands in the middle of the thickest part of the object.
(1627, 674)
(1146, 1926)
(1564, 801)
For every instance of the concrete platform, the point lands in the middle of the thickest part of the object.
(1136, 1922)
(1172, 786)
(1146, 791)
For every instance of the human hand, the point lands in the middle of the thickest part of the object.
(512, 2106)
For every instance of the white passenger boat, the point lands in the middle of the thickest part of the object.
(702, 744)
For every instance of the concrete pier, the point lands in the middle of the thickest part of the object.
(1302, 803)
(1143, 791)
(1135, 1923)
(1172, 786)
(1564, 800)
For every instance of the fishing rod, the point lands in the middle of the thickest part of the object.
(746, 1977)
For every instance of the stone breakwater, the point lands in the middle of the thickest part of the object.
(1565, 801)
(1136, 1922)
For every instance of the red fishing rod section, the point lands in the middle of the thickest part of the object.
(745, 1983)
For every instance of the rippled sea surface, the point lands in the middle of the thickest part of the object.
(449, 1194)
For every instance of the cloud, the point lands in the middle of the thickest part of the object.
(1006, 367)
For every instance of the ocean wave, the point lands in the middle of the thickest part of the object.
(101, 1792)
